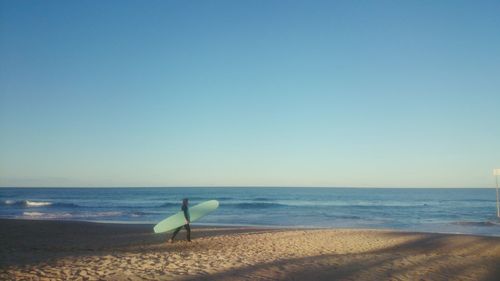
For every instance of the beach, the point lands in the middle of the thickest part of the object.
(64, 250)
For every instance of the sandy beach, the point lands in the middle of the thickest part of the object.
(55, 250)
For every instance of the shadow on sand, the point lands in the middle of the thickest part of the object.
(420, 257)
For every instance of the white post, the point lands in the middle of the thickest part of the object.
(496, 173)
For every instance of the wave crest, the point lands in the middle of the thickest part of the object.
(37, 204)
(257, 205)
(69, 215)
(34, 204)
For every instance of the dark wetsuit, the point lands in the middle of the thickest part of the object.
(185, 209)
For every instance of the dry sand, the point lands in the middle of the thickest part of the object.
(49, 250)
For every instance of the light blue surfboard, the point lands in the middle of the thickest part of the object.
(178, 219)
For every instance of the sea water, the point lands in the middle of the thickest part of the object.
(450, 210)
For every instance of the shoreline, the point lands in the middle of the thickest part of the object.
(62, 250)
(280, 227)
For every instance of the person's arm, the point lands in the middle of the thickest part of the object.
(186, 215)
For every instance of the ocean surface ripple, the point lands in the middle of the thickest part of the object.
(450, 210)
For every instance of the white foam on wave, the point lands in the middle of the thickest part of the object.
(9, 202)
(37, 204)
(40, 215)
(104, 214)
(66, 215)
(32, 214)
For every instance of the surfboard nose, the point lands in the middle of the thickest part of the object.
(216, 203)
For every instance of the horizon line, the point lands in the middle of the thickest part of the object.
(254, 186)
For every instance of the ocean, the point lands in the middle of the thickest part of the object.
(445, 210)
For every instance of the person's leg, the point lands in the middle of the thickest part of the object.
(175, 233)
(188, 228)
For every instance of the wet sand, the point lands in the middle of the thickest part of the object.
(52, 250)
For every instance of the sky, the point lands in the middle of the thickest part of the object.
(249, 93)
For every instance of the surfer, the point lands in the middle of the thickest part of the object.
(187, 219)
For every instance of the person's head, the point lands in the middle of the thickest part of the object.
(185, 201)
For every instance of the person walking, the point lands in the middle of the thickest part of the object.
(187, 219)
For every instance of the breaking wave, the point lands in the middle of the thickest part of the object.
(69, 215)
(29, 203)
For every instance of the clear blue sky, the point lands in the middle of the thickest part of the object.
(290, 93)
